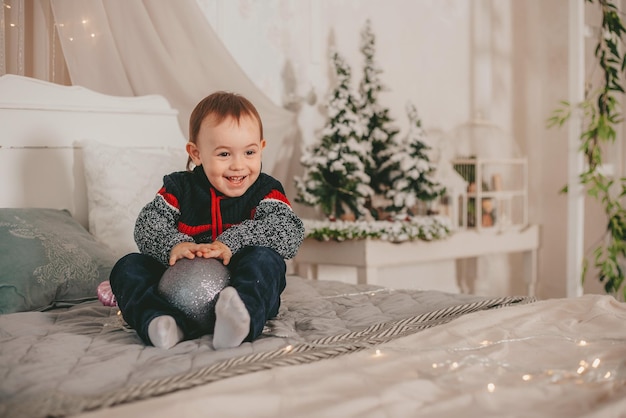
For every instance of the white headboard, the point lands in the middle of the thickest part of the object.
(41, 125)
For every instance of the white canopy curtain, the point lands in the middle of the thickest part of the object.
(139, 47)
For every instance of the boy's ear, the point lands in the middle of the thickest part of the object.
(194, 153)
(263, 143)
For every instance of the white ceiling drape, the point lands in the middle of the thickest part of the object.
(139, 47)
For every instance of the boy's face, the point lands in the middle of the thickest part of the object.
(230, 153)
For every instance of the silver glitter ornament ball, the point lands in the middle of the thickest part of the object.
(192, 285)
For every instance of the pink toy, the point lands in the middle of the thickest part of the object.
(105, 294)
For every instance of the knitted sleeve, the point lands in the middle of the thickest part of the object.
(156, 231)
(274, 225)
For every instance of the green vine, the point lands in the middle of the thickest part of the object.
(601, 114)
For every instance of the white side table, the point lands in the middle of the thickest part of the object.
(368, 256)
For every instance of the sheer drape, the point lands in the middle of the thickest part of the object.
(135, 47)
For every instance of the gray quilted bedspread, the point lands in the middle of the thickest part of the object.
(69, 360)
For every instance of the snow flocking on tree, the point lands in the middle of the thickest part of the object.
(380, 127)
(411, 171)
(358, 166)
(335, 175)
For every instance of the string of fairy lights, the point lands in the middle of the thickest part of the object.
(588, 361)
(555, 359)
(479, 368)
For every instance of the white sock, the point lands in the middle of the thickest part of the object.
(232, 320)
(164, 332)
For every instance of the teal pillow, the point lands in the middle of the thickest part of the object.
(47, 257)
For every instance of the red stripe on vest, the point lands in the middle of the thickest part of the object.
(169, 198)
(193, 230)
(273, 195)
(216, 214)
(276, 195)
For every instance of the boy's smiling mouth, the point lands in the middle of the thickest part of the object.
(236, 179)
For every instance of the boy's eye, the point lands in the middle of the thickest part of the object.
(250, 152)
(223, 154)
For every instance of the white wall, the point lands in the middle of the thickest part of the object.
(451, 58)
(266, 36)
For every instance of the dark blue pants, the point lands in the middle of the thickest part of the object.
(257, 273)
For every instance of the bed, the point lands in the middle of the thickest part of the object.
(76, 166)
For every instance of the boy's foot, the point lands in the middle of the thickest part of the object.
(232, 320)
(164, 332)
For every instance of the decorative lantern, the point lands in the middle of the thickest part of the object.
(495, 174)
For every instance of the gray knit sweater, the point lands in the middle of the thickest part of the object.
(189, 209)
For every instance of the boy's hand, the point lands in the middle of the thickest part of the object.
(217, 249)
(184, 250)
(192, 250)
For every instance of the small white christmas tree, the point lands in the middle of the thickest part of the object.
(380, 128)
(411, 170)
(358, 166)
(335, 177)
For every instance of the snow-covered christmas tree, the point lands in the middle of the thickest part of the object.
(335, 177)
(410, 168)
(380, 128)
(359, 166)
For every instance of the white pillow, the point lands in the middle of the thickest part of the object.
(120, 182)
